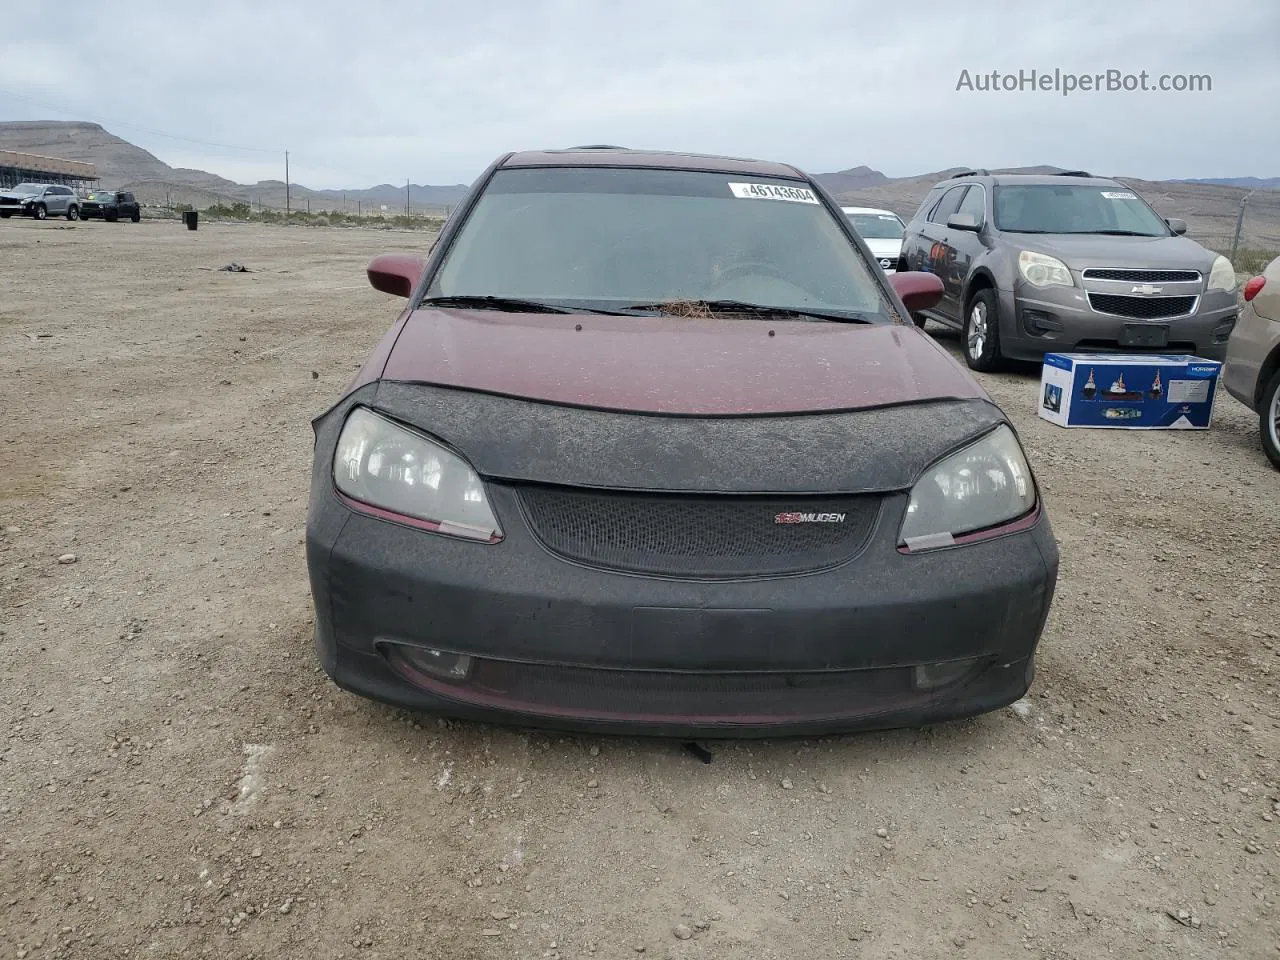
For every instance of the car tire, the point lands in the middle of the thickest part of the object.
(136, 217)
(73, 212)
(980, 334)
(109, 217)
(40, 212)
(1269, 419)
(4, 215)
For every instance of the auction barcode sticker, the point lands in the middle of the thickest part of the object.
(772, 191)
(1119, 195)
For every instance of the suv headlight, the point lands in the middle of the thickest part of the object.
(387, 466)
(1223, 275)
(1041, 270)
(984, 485)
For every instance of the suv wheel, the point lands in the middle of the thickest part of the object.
(73, 212)
(981, 332)
(1269, 419)
(135, 216)
(41, 212)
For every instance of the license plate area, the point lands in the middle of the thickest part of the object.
(1145, 335)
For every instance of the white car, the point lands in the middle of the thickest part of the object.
(882, 229)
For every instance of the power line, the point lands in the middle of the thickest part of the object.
(134, 126)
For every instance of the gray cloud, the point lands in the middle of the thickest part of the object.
(434, 91)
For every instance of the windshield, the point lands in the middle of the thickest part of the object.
(609, 238)
(26, 189)
(877, 226)
(1059, 208)
(102, 195)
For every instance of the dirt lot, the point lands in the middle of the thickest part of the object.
(177, 778)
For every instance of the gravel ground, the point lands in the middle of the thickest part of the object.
(178, 779)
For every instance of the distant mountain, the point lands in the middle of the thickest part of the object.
(1210, 206)
(1248, 183)
(855, 178)
(125, 166)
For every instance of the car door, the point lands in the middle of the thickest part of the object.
(60, 200)
(963, 247)
(935, 238)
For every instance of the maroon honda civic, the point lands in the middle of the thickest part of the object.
(655, 448)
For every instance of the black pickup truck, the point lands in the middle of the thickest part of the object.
(110, 205)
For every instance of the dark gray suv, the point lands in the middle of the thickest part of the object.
(1070, 262)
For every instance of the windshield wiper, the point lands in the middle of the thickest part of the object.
(1125, 233)
(509, 304)
(692, 308)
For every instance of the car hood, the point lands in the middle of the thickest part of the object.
(667, 365)
(1081, 251)
(884, 247)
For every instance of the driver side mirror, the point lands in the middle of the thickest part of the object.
(1176, 225)
(964, 221)
(395, 273)
(918, 290)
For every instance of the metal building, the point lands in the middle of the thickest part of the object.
(18, 168)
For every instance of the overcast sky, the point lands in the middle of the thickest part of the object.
(432, 91)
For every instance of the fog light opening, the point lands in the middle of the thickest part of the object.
(935, 676)
(422, 663)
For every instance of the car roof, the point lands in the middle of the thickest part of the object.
(608, 156)
(1030, 179)
(869, 210)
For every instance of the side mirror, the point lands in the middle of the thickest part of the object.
(918, 290)
(1176, 225)
(964, 221)
(395, 273)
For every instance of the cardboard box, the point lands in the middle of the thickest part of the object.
(1128, 391)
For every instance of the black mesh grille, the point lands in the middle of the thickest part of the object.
(698, 536)
(1142, 308)
(703, 695)
(1143, 276)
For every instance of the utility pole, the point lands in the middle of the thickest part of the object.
(359, 212)
(1235, 241)
(406, 199)
(286, 184)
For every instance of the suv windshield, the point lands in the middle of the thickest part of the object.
(1073, 208)
(102, 195)
(27, 189)
(609, 238)
(876, 226)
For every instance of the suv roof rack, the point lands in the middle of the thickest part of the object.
(968, 173)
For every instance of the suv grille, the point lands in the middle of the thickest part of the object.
(1142, 308)
(1143, 276)
(683, 535)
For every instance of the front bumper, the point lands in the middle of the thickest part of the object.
(1037, 321)
(563, 646)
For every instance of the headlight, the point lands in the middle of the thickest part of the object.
(1223, 275)
(986, 484)
(384, 465)
(1043, 271)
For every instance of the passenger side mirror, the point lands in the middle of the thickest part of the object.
(964, 221)
(918, 290)
(1176, 225)
(395, 273)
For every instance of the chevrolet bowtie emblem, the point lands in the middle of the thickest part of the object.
(1147, 289)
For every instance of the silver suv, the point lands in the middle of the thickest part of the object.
(39, 200)
(1071, 262)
